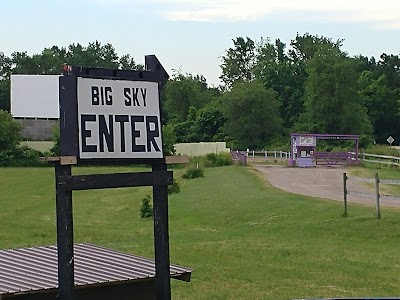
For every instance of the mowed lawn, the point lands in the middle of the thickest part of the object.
(244, 238)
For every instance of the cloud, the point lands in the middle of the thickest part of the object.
(385, 13)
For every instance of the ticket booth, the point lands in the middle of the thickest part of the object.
(303, 150)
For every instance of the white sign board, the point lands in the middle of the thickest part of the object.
(35, 96)
(118, 119)
(307, 141)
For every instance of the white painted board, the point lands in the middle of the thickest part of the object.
(35, 96)
(118, 119)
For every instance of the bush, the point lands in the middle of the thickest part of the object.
(212, 160)
(23, 156)
(219, 160)
(174, 188)
(146, 211)
(193, 173)
(11, 153)
(55, 150)
(10, 131)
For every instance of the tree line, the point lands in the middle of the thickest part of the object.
(269, 90)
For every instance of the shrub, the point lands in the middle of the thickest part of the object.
(174, 188)
(146, 211)
(11, 153)
(22, 156)
(10, 131)
(212, 160)
(219, 159)
(193, 173)
(55, 150)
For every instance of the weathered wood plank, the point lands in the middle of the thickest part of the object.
(177, 159)
(105, 181)
(62, 160)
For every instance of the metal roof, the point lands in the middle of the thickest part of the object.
(32, 269)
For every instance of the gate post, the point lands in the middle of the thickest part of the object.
(345, 194)
(378, 206)
(161, 236)
(65, 242)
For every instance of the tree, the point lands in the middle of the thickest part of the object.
(187, 131)
(239, 61)
(333, 104)
(94, 55)
(126, 62)
(5, 70)
(305, 46)
(380, 101)
(10, 132)
(51, 60)
(169, 139)
(5, 66)
(279, 72)
(183, 92)
(210, 122)
(5, 94)
(252, 114)
(203, 125)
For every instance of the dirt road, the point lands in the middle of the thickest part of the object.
(322, 182)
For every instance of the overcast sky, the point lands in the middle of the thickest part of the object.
(191, 36)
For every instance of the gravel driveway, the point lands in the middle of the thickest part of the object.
(321, 182)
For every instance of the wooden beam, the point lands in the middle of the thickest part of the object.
(106, 181)
(177, 159)
(62, 160)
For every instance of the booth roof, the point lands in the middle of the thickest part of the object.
(33, 269)
(327, 135)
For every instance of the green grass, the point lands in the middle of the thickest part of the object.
(368, 170)
(245, 239)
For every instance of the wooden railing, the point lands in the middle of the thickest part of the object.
(265, 155)
(258, 156)
(380, 159)
(377, 195)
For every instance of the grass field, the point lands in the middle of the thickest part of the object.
(384, 172)
(244, 238)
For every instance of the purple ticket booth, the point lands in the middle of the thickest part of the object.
(304, 150)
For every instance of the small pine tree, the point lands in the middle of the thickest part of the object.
(146, 211)
(174, 188)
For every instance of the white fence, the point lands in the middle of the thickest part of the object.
(380, 159)
(260, 156)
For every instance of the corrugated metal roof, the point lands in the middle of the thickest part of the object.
(35, 268)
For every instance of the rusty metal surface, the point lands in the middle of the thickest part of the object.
(31, 269)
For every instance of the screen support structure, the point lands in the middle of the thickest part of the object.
(159, 178)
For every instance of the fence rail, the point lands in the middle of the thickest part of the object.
(264, 155)
(380, 159)
(377, 195)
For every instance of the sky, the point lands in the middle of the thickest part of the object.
(191, 36)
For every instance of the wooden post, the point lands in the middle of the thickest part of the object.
(378, 205)
(265, 155)
(65, 242)
(161, 237)
(345, 194)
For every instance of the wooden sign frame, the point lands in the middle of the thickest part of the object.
(159, 178)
